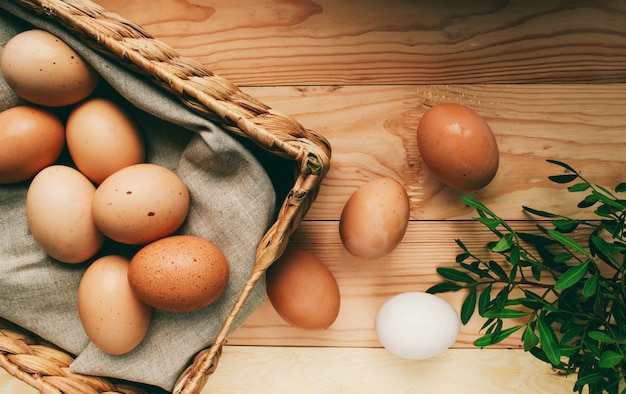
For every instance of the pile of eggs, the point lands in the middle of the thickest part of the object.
(112, 193)
(106, 192)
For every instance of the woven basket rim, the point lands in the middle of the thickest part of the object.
(218, 100)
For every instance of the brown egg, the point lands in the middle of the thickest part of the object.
(302, 290)
(181, 273)
(458, 146)
(140, 203)
(44, 70)
(114, 319)
(375, 218)
(32, 139)
(102, 138)
(58, 210)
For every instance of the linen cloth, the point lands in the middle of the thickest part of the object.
(233, 203)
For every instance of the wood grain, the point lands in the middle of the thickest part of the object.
(341, 370)
(549, 78)
(372, 132)
(286, 370)
(304, 42)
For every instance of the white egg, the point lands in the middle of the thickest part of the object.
(417, 325)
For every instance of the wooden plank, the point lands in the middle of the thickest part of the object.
(246, 369)
(393, 42)
(372, 132)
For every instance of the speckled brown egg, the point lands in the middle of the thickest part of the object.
(44, 70)
(32, 139)
(140, 203)
(180, 273)
(375, 218)
(302, 290)
(458, 146)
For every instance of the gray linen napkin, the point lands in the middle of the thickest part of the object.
(232, 203)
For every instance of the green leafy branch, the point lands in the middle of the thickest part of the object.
(562, 286)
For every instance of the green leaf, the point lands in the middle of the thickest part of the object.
(610, 201)
(444, 287)
(503, 244)
(565, 225)
(462, 257)
(568, 351)
(563, 257)
(588, 201)
(529, 338)
(621, 187)
(605, 211)
(475, 269)
(469, 305)
(497, 269)
(548, 341)
(454, 274)
(610, 359)
(579, 187)
(515, 255)
(590, 286)
(461, 245)
(477, 205)
(537, 212)
(605, 250)
(601, 336)
(560, 163)
(495, 329)
(534, 239)
(486, 324)
(589, 379)
(492, 339)
(536, 271)
(567, 241)
(513, 274)
(540, 354)
(532, 300)
(489, 222)
(565, 178)
(572, 334)
(502, 296)
(484, 300)
(571, 276)
(505, 313)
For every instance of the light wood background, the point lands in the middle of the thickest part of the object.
(547, 76)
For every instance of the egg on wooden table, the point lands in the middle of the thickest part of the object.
(58, 211)
(114, 319)
(457, 145)
(32, 139)
(375, 218)
(102, 138)
(140, 203)
(44, 70)
(302, 290)
(417, 325)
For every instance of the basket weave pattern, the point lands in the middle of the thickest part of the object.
(45, 367)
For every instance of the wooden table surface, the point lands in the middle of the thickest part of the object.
(547, 76)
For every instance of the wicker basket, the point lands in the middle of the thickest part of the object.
(46, 367)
